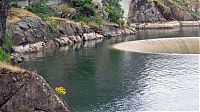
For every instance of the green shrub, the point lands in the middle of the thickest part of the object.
(85, 7)
(81, 18)
(52, 22)
(100, 19)
(84, 20)
(63, 8)
(5, 57)
(5, 49)
(41, 9)
(182, 5)
(114, 9)
(8, 42)
(195, 15)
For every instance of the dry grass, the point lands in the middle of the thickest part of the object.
(70, 21)
(14, 19)
(22, 13)
(16, 14)
(10, 68)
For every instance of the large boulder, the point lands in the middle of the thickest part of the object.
(24, 91)
(29, 48)
(111, 30)
(141, 11)
(178, 12)
(149, 11)
(31, 30)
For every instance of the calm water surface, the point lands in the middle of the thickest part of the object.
(99, 79)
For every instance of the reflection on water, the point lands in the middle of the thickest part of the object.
(99, 79)
(156, 83)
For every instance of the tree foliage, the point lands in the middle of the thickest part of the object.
(85, 7)
(114, 9)
(4, 56)
(41, 8)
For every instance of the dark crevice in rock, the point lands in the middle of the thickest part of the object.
(40, 110)
(26, 91)
(10, 96)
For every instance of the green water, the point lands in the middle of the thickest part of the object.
(99, 79)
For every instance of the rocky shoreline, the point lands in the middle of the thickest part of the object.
(22, 91)
(166, 25)
(164, 14)
(32, 35)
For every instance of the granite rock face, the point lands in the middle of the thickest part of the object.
(149, 11)
(176, 12)
(30, 30)
(27, 92)
(141, 11)
(29, 48)
(32, 35)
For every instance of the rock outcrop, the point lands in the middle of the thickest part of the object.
(194, 5)
(149, 11)
(24, 91)
(31, 30)
(175, 11)
(31, 34)
(36, 33)
(141, 11)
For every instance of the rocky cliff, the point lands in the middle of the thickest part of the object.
(24, 91)
(144, 11)
(31, 34)
(30, 30)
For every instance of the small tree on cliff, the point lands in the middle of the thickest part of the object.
(4, 7)
(85, 7)
(114, 9)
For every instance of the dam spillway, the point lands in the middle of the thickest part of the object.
(182, 45)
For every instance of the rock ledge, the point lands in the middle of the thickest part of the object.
(24, 91)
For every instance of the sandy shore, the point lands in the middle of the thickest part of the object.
(182, 45)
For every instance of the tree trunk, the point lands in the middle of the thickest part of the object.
(4, 6)
(29, 2)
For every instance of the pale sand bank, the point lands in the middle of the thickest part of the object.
(182, 45)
